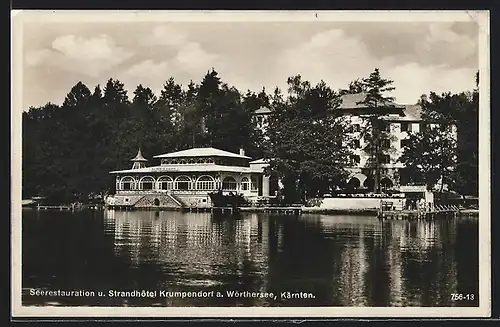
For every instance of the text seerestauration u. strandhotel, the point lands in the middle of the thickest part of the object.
(172, 294)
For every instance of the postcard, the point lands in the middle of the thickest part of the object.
(250, 164)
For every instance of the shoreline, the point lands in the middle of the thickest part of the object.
(471, 213)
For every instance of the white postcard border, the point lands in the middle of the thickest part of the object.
(18, 18)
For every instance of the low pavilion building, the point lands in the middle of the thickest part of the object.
(186, 178)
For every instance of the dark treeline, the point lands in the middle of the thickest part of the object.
(69, 150)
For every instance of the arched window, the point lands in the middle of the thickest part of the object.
(245, 184)
(165, 183)
(386, 183)
(229, 183)
(127, 183)
(354, 183)
(205, 183)
(182, 183)
(146, 183)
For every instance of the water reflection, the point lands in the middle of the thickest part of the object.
(341, 260)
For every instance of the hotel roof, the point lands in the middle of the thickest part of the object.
(201, 152)
(186, 168)
(411, 113)
(350, 101)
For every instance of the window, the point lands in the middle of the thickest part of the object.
(127, 183)
(229, 183)
(355, 144)
(405, 127)
(205, 183)
(422, 126)
(255, 183)
(182, 183)
(384, 159)
(355, 159)
(405, 143)
(245, 184)
(146, 183)
(385, 143)
(165, 183)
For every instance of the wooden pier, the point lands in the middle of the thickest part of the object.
(437, 212)
(60, 208)
(69, 207)
(290, 210)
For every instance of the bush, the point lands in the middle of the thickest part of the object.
(230, 200)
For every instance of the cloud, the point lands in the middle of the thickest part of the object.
(337, 58)
(165, 35)
(442, 45)
(418, 56)
(412, 80)
(170, 53)
(194, 59)
(36, 57)
(331, 56)
(89, 56)
(438, 43)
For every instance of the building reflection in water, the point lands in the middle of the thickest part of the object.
(343, 260)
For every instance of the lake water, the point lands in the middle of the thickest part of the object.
(321, 260)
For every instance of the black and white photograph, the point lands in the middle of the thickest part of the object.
(260, 163)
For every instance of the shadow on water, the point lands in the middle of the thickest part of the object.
(320, 260)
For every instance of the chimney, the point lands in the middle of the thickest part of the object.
(242, 152)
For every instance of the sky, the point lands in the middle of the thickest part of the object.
(418, 56)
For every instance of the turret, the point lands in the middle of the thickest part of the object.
(139, 161)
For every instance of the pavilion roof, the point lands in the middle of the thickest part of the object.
(262, 110)
(260, 161)
(201, 152)
(194, 168)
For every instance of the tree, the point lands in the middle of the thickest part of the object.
(191, 124)
(375, 129)
(430, 155)
(306, 140)
(79, 95)
(256, 142)
(458, 115)
(355, 87)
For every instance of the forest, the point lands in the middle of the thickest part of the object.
(69, 149)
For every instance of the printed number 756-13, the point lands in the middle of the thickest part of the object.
(461, 297)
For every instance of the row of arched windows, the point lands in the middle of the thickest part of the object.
(182, 183)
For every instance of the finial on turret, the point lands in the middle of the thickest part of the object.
(139, 160)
